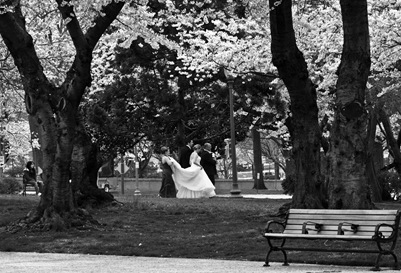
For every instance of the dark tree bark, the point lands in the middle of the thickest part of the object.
(257, 155)
(392, 142)
(85, 163)
(181, 140)
(304, 126)
(54, 110)
(276, 171)
(373, 152)
(348, 186)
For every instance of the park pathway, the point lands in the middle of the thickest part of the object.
(19, 262)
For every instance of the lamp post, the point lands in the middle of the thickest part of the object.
(235, 192)
(137, 191)
(122, 173)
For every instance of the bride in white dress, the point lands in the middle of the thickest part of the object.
(192, 182)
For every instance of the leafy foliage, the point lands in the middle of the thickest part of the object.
(167, 104)
(391, 183)
(9, 185)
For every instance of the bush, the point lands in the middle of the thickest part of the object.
(15, 171)
(288, 184)
(9, 185)
(391, 184)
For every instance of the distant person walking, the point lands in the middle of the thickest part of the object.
(167, 189)
(208, 162)
(185, 154)
(29, 177)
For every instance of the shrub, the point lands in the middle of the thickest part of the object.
(9, 185)
(391, 184)
(15, 171)
(288, 184)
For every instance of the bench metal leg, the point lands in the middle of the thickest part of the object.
(377, 267)
(275, 248)
(396, 264)
(386, 252)
(24, 190)
(267, 257)
(285, 258)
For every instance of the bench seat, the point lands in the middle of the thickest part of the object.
(379, 226)
(316, 236)
(28, 188)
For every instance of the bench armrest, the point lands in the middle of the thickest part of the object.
(316, 227)
(274, 226)
(379, 235)
(349, 227)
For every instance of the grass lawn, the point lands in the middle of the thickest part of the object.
(217, 228)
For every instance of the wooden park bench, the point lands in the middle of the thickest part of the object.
(28, 188)
(380, 226)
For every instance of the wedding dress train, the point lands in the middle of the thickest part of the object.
(192, 182)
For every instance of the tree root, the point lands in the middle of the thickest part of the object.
(79, 219)
(39, 220)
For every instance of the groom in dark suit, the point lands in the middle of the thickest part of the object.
(185, 154)
(208, 162)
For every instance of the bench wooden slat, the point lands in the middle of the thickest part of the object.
(335, 228)
(344, 218)
(295, 222)
(329, 233)
(318, 236)
(27, 188)
(342, 212)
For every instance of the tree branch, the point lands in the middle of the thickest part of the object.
(20, 44)
(79, 76)
(107, 15)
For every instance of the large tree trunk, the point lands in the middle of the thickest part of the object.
(54, 110)
(84, 172)
(373, 152)
(392, 143)
(257, 160)
(303, 126)
(181, 139)
(348, 186)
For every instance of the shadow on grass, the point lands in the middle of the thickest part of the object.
(217, 228)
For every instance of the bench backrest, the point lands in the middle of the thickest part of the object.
(336, 222)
